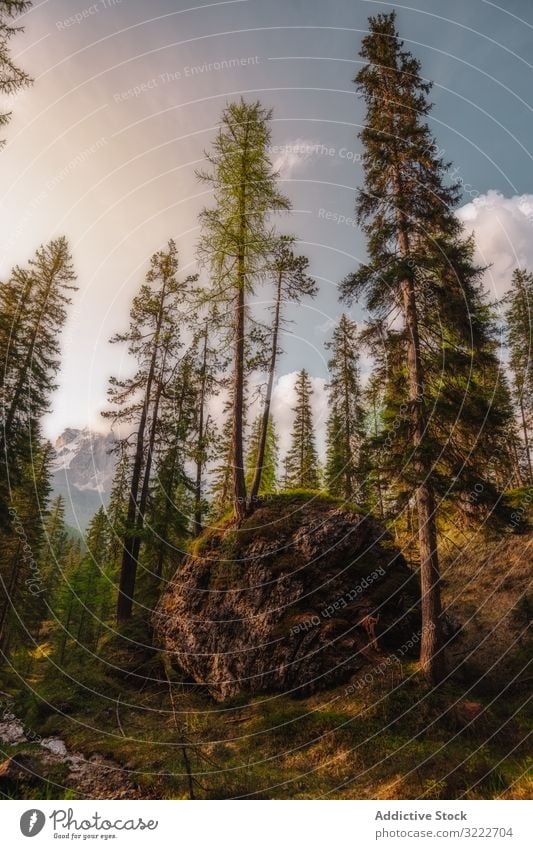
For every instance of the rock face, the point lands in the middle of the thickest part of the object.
(299, 598)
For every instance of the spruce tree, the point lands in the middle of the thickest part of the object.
(518, 314)
(345, 423)
(302, 458)
(420, 267)
(236, 242)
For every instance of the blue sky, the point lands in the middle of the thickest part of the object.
(127, 95)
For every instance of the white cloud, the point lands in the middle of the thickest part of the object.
(503, 229)
(293, 155)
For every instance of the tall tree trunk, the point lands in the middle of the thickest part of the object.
(526, 439)
(256, 483)
(128, 568)
(432, 660)
(197, 523)
(130, 551)
(143, 500)
(348, 494)
(239, 479)
(516, 461)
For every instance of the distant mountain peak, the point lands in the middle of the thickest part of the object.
(83, 472)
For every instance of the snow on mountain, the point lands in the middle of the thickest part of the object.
(83, 472)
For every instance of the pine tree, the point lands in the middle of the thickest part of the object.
(302, 459)
(345, 424)
(12, 78)
(292, 283)
(421, 268)
(83, 602)
(23, 582)
(369, 466)
(222, 473)
(236, 242)
(56, 544)
(519, 312)
(117, 507)
(33, 310)
(154, 341)
(172, 491)
(270, 452)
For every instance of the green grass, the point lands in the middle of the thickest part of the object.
(387, 740)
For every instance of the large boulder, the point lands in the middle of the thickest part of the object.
(301, 596)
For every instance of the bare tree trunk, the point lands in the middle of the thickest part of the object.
(143, 500)
(348, 493)
(432, 659)
(130, 552)
(526, 439)
(197, 524)
(516, 461)
(256, 483)
(128, 569)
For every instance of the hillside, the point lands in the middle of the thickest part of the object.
(149, 730)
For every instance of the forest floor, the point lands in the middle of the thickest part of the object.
(121, 729)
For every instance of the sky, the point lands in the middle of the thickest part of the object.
(127, 95)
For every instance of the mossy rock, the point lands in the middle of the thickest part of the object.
(298, 598)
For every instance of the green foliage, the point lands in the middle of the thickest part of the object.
(270, 460)
(345, 421)
(445, 399)
(302, 468)
(236, 243)
(12, 78)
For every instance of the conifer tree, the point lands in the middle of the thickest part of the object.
(12, 78)
(55, 544)
(172, 496)
(369, 466)
(33, 310)
(222, 473)
(236, 242)
(154, 341)
(21, 574)
(519, 317)
(117, 507)
(292, 283)
(83, 603)
(302, 459)
(270, 452)
(345, 424)
(421, 267)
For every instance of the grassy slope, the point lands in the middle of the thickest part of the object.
(392, 738)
